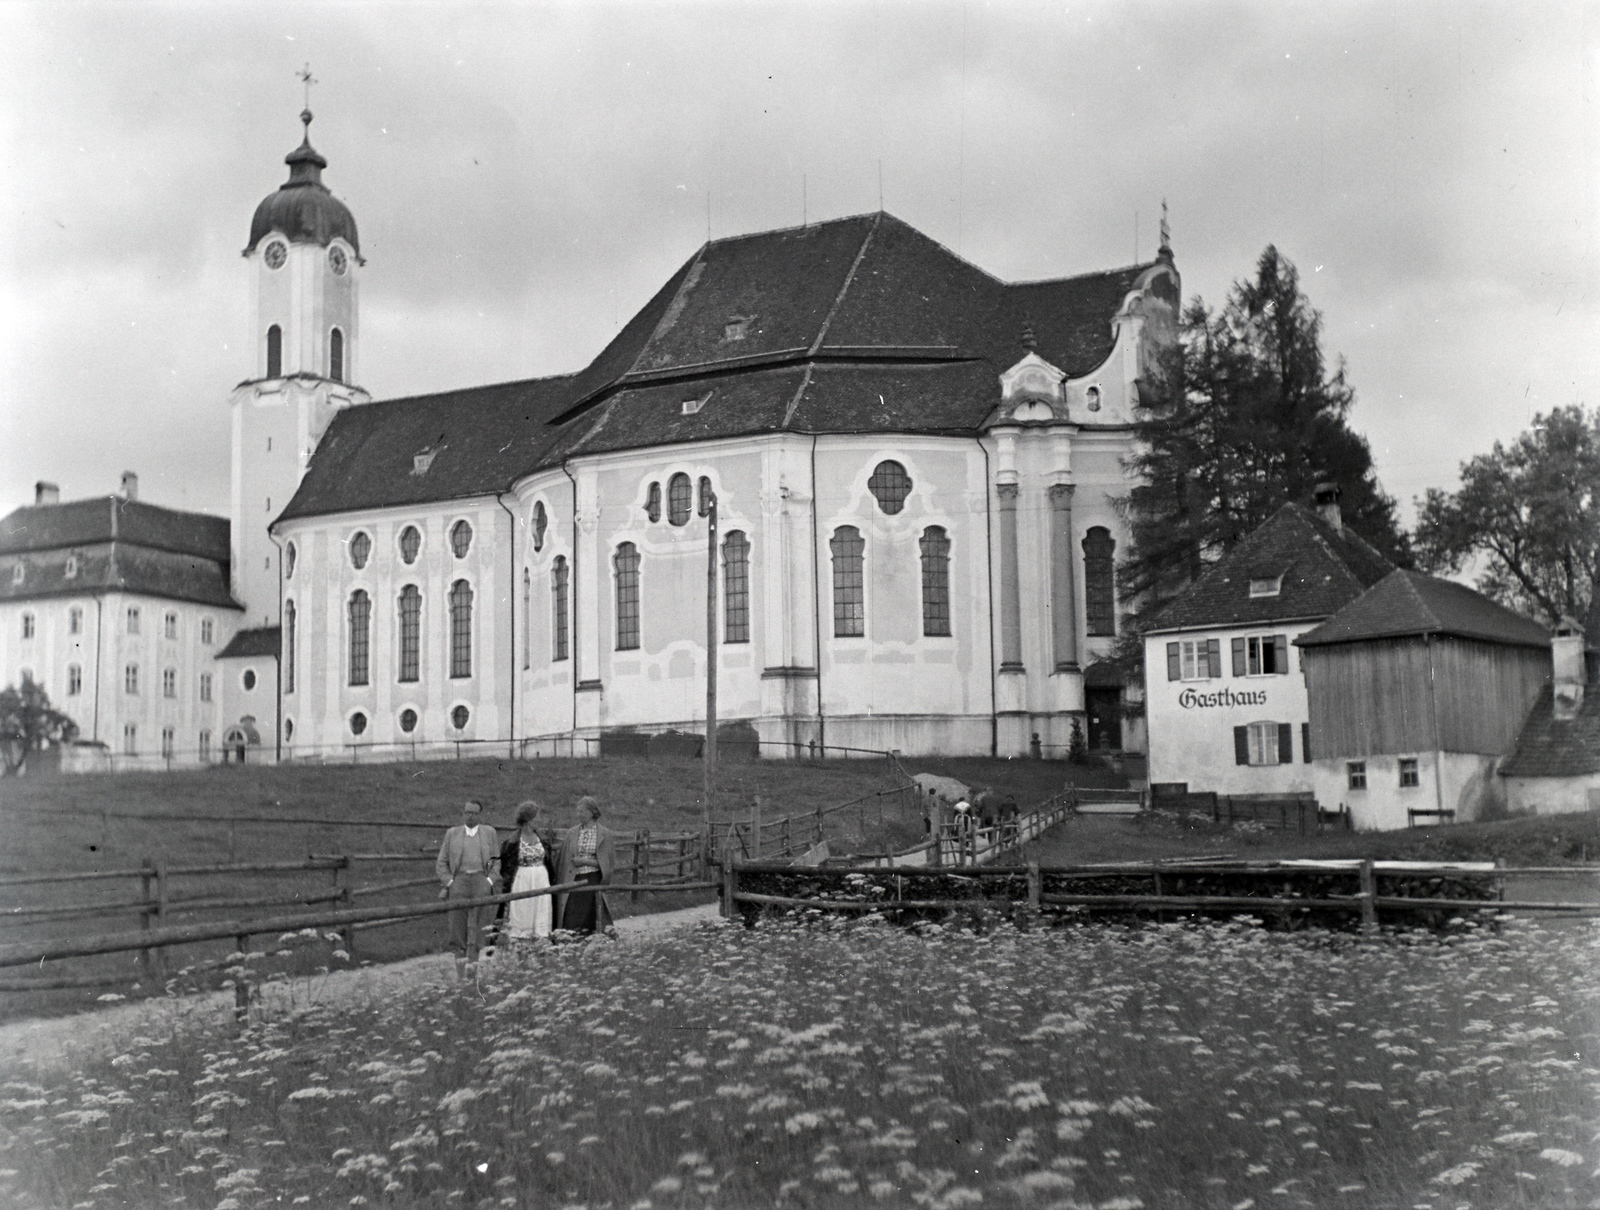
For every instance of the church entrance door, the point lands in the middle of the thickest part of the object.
(1104, 708)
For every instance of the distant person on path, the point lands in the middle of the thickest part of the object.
(588, 853)
(467, 862)
(1010, 831)
(523, 867)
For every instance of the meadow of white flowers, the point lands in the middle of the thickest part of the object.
(829, 1064)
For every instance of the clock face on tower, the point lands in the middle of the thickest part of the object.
(275, 254)
(337, 261)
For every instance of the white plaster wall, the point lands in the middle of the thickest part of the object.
(1461, 781)
(1190, 723)
(1552, 795)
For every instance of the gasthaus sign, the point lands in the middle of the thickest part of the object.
(1190, 700)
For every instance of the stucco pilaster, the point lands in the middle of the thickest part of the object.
(1010, 593)
(1063, 587)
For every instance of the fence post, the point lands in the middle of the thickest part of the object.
(148, 957)
(755, 825)
(787, 847)
(641, 860)
(1033, 888)
(730, 884)
(1369, 896)
(341, 884)
(818, 839)
(241, 986)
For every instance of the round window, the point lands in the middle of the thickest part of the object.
(360, 548)
(461, 539)
(358, 723)
(276, 254)
(459, 717)
(408, 720)
(249, 679)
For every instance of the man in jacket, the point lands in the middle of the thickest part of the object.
(466, 867)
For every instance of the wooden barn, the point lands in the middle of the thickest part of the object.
(1416, 690)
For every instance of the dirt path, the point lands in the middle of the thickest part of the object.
(53, 1042)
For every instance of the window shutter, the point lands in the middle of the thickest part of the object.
(1238, 657)
(1174, 662)
(1305, 742)
(1214, 657)
(1286, 743)
(1280, 644)
(1241, 745)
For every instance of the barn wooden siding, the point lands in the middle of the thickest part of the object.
(1373, 698)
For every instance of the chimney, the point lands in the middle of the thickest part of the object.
(46, 493)
(1326, 496)
(1568, 669)
(130, 485)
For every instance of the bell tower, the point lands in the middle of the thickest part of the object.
(305, 258)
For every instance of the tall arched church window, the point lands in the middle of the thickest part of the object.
(460, 629)
(1099, 581)
(849, 593)
(410, 633)
(541, 522)
(336, 355)
(680, 499)
(935, 581)
(360, 637)
(274, 352)
(736, 587)
(410, 544)
(890, 485)
(461, 539)
(558, 602)
(288, 646)
(652, 503)
(626, 564)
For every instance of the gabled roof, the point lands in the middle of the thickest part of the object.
(108, 544)
(257, 641)
(1323, 570)
(861, 324)
(1408, 603)
(1547, 748)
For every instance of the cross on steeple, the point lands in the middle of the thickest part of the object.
(307, 79)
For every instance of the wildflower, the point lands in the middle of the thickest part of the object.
(1459, 1175)
(1557, 1155)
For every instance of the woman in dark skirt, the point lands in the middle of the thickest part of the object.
(588, 854)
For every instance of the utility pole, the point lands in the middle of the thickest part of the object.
(709, 751)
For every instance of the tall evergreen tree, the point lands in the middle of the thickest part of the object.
(1245, 419)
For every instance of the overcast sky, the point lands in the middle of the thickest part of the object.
(526, 176)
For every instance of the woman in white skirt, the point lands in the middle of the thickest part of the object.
(523, 861)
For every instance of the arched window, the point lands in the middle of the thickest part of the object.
(558, 600)
(652, 502)
(736, 587)
(169, 682)
(288, 646)
(289, 557)
(360, 548)
(890, 485)
(170, 626)
(541, 522)
(205, 686)
(627, 574)
(336, 355)
(461, 539)
(130, 678)
(133, 619)
(410, 544)
(460, 629)
(410, 632)
(849, 593)
(274, 352)
(167, 738)
(74, 680)
(935, 581)
(1099, 585)
(680, 498)
(703, 502)
(360, 637)
(527, 615)
(205, 631)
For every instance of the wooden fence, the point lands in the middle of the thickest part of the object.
(761, 839)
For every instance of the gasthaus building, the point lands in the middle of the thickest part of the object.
(1225, 698)
(915, 467)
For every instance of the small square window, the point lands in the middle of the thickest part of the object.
(71, 571)
(205, 631)
(171, 623)
(133, 620)
(1408, 772)
(1266, 586)
(1356, 774)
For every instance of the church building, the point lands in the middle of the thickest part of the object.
(915, 468)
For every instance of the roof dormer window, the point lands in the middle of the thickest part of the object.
(737, 328)
(1266, 586)
(691, 406)
(421, 462)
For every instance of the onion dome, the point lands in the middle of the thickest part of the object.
(303, 208)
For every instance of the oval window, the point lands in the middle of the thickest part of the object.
(358, 723)
(461, 539)
(289, 558)
(408, 720)
(541, 521)
(410, 544)
(360, 548)
(680, 499)
(288, 730)
(652, 502)
(459, 717)
(249, 679)
(890, 485)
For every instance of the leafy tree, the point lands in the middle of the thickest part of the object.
(1244, 418)
(28, 722)
(1077, 746)
(1531, 513)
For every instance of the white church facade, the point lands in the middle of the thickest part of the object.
(916, 470)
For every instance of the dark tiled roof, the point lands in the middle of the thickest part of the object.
(111, 518)
(114, 545)
(303, 208)
(858, 325)
(1547, 748)
(1323, 570)
(1408, 603)
(481, 439)
(258, 641)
